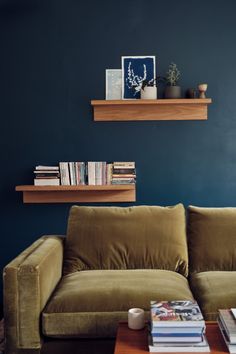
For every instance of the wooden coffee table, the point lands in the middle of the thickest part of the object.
(136, 342)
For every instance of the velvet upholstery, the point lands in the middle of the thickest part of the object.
(28, 283)
(90, 303)
(212, 239)
(214, 290)
(112, 266)
(140, 237)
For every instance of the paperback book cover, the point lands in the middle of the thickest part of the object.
(166, 313)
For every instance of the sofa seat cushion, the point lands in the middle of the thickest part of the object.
(90, 303)
(214, 290)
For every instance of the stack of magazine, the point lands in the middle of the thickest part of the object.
(177, 326)
(227, 324)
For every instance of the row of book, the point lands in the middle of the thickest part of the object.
(177, 326)
(227, 325)
(81, 173)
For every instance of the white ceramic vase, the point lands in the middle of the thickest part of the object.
(149, 93)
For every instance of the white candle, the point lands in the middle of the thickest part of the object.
(136, 318)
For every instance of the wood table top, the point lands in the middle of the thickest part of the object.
(129, 341)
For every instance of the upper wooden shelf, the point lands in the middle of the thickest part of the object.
(72, 194)
(160, 109)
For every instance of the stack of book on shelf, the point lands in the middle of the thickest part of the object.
(177, 326)
(123, 173)
(227, 324)
(46, 176)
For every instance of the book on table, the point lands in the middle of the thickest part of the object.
(177, 347)
(176, 313)
(177, 326)
(186, 331)
(233, 311)
(227, 325)
(176, 337)
(231, 347)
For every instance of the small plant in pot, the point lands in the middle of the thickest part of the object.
(172, 90)
(149, 88)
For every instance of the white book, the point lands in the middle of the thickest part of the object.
(175, 339)
(47, 182)
(122, 164)
(64, 172)
(91, 173)
(46, 172)
(202, 347)
(52, 168)
(98, 173)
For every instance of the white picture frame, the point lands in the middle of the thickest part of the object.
(113, 84)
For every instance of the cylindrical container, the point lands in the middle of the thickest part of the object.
(173, 92)
(136, 318)
(149, 93)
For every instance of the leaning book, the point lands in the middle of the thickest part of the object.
(229, 323)
(176, 313)
(231, 347)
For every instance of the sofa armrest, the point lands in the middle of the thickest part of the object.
(29, 280)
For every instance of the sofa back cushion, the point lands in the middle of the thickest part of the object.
(212, 239)
(139, 237)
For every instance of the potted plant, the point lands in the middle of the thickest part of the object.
(172, 90)
(149, 90)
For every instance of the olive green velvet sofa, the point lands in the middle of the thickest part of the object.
(112, 259)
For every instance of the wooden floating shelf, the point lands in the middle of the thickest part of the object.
(73, 194)
(160, 109)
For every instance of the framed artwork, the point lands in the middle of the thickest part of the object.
(134, 71)
(113, 84)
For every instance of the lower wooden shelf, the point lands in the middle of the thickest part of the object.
(82, 194)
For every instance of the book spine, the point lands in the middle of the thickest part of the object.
(109, 169)
(65, 177)
(104, 173)
(91, 173)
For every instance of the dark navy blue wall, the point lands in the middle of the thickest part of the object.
(53, 56)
